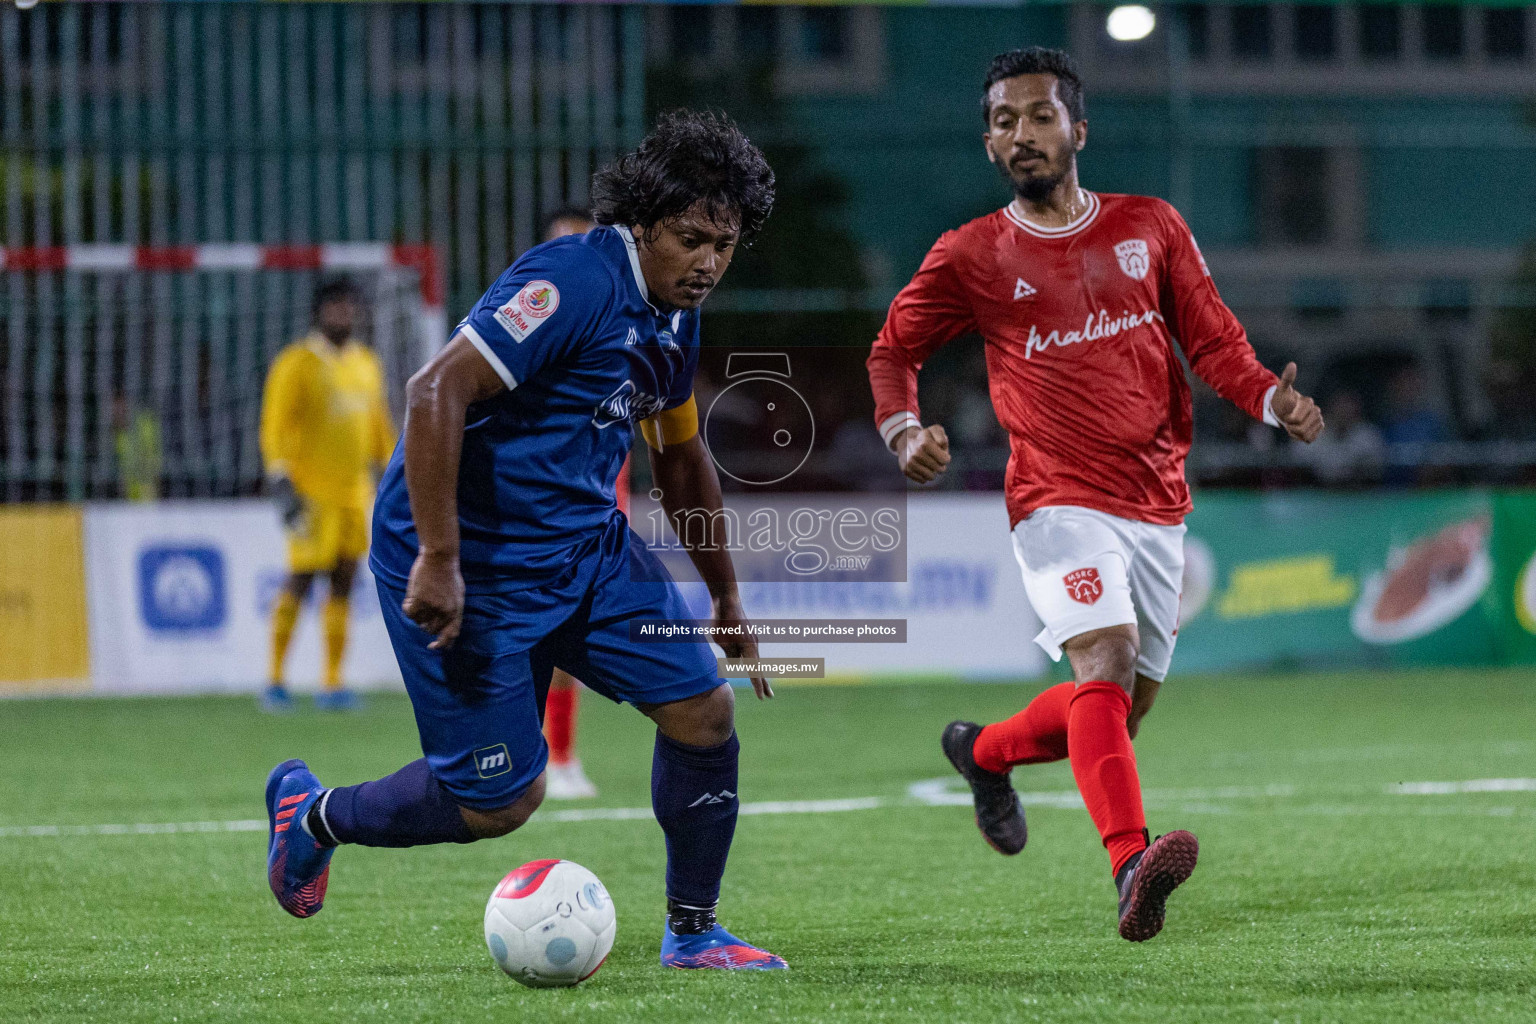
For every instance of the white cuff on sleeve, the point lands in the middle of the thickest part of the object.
(896, 424)
(491, 357)
(1269, 413)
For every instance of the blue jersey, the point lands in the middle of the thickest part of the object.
(584, 353)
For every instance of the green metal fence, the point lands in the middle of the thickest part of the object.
(460, 126)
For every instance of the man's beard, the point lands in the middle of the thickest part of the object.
(1035, 188)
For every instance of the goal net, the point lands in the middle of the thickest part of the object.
(132, 371)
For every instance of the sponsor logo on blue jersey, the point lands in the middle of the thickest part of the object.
(627, 402)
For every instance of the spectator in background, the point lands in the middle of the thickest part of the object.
(1351, 450)
(975, 421)
(136, 438)
(857, 459)
(568, 220)
(1412, 426)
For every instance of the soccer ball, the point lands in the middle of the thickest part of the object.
(550, 924)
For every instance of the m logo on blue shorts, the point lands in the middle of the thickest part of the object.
(181, 588)
(492, 761)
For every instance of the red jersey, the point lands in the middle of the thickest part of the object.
(1080, 325)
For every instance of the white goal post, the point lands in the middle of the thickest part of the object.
(155, 356)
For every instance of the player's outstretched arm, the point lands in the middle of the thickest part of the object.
(1297, 413)
(436, 400)
(686, 476)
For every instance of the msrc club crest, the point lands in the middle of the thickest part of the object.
(1132, 254)
(1084, 585)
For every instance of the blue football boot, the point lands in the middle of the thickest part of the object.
(718, 949)
(298, 867)
(276, 700)
(337, 700)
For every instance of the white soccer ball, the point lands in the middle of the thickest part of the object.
(550, 924)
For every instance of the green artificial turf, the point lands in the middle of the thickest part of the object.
(1320, 895)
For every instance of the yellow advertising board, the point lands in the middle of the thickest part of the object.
(43, 634)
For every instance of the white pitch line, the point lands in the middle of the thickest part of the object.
(1468, 786)
(944, 793)
(858, 803)
(926, 793)
(864, 803)
(143, 829)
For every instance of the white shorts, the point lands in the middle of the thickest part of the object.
(1085, 570)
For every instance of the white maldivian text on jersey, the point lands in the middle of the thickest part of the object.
(1096, 326)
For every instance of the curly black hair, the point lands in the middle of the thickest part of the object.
(690, 157)
(1037, 60)
(334, 289)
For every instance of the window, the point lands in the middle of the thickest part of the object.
(757, 33)
(411, 33)
(692, 32)
(1442, 31)
(1197, 29)
(111, 25)
(1314, 32)
(1446, 300)
(1381, 31)
(1291, 193)
(1504, 33)
(808, 50)
(824, 33)
(1251, 37)
(1319, 299)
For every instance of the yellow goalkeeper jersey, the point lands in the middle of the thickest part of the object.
(325, 423)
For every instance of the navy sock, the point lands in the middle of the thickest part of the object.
(693, 791)
(408, 808)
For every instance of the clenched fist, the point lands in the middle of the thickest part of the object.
(923, 453)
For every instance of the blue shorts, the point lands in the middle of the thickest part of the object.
(480, 703)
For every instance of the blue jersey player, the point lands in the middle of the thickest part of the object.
(500, 554)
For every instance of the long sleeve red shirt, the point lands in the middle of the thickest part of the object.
(1080, 324)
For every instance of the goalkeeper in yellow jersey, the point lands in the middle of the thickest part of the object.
(325, 434)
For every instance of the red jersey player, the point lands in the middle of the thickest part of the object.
(1081, 298)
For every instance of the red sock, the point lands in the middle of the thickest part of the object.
(560, 723)
(1033, 736)
(1104, 766)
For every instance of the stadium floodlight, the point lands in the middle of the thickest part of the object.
(1130, 22)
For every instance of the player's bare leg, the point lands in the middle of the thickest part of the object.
(333, 696)
(693, 791)
(1143, 696)
(1104, 765)
(503, 820)
(566, 779)
(285, 615)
